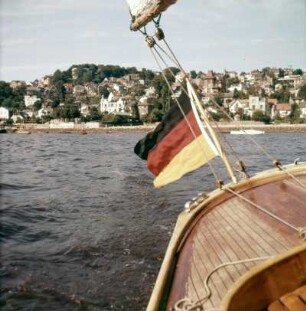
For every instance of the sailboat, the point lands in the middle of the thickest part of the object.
(241, 246)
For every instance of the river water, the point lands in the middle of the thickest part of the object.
(82, 227)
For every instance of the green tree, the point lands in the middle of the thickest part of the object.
(298, 72)
(302, 92)
(236, 94)
(37, 105)
(258, 115)
(94, 115)
(5, 91)
(294, 114)
(281, 73)
(193, 74)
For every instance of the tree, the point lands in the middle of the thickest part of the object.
(5, 90)
(236, 94)
(302, 92)
(298, 72)
(294, 114)
(37, 105)
(281, 73)
(193, 74)
(258, 115)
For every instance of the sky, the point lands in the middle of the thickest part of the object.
(38, 37)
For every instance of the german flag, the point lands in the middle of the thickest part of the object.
(176, 146)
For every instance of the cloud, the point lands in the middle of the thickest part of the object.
(94, 34)
(17, 42)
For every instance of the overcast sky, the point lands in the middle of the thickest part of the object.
(40, 36)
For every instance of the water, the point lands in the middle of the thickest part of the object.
(82, 227)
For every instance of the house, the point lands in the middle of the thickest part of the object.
(46, 80)
(302, 107)
(283, 110)
(91, 89)
(238, 106)
(114, 103)
(257, 103)
(4, 113)
(79, 90)
(21, 116)
(271, 107)
(43, 112)
(85, 110)
(144, 106)
(17, 84)
(209, 83)
(231, 74)
(238, 87)
(30, 100)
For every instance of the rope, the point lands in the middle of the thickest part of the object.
(262, 209)
(186, 304)
(291, 175)
(188, 123)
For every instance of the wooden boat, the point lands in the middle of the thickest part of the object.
(240, 247)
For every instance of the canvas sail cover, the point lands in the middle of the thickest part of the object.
(177, 146)
(143, 11)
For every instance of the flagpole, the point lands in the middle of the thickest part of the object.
(222, 154)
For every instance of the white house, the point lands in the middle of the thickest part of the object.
(283, 110)
(257, 103)
(114, 103)
(238, 105)
(302, 107)
(4, 113)
(144, 106)
(30, 100)
(44, 112)
(238, 87)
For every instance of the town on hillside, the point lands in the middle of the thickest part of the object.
(115, 95)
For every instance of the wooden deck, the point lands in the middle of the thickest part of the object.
(229, 230)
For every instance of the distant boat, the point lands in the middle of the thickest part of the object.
(247, 132)
(23, 132)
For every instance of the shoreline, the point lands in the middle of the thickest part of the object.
(223, 128)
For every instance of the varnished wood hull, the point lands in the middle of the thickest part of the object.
(226, 228)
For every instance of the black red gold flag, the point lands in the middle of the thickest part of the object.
(176, 146)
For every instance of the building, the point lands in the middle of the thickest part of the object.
(209, 83)
(257, 103)
(302, 107)
(30, 100)
(114, 103)
(239, 106)
(144, 106)
(283, 110)
(4, 113)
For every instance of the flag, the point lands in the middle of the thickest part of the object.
(178, 145)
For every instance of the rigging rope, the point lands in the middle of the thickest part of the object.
(262, 209)
(176, 62)
(179, 105)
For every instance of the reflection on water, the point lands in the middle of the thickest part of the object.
(82, 227)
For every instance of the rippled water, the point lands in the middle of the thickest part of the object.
(82, 227)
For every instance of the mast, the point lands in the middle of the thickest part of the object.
(194, 97)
